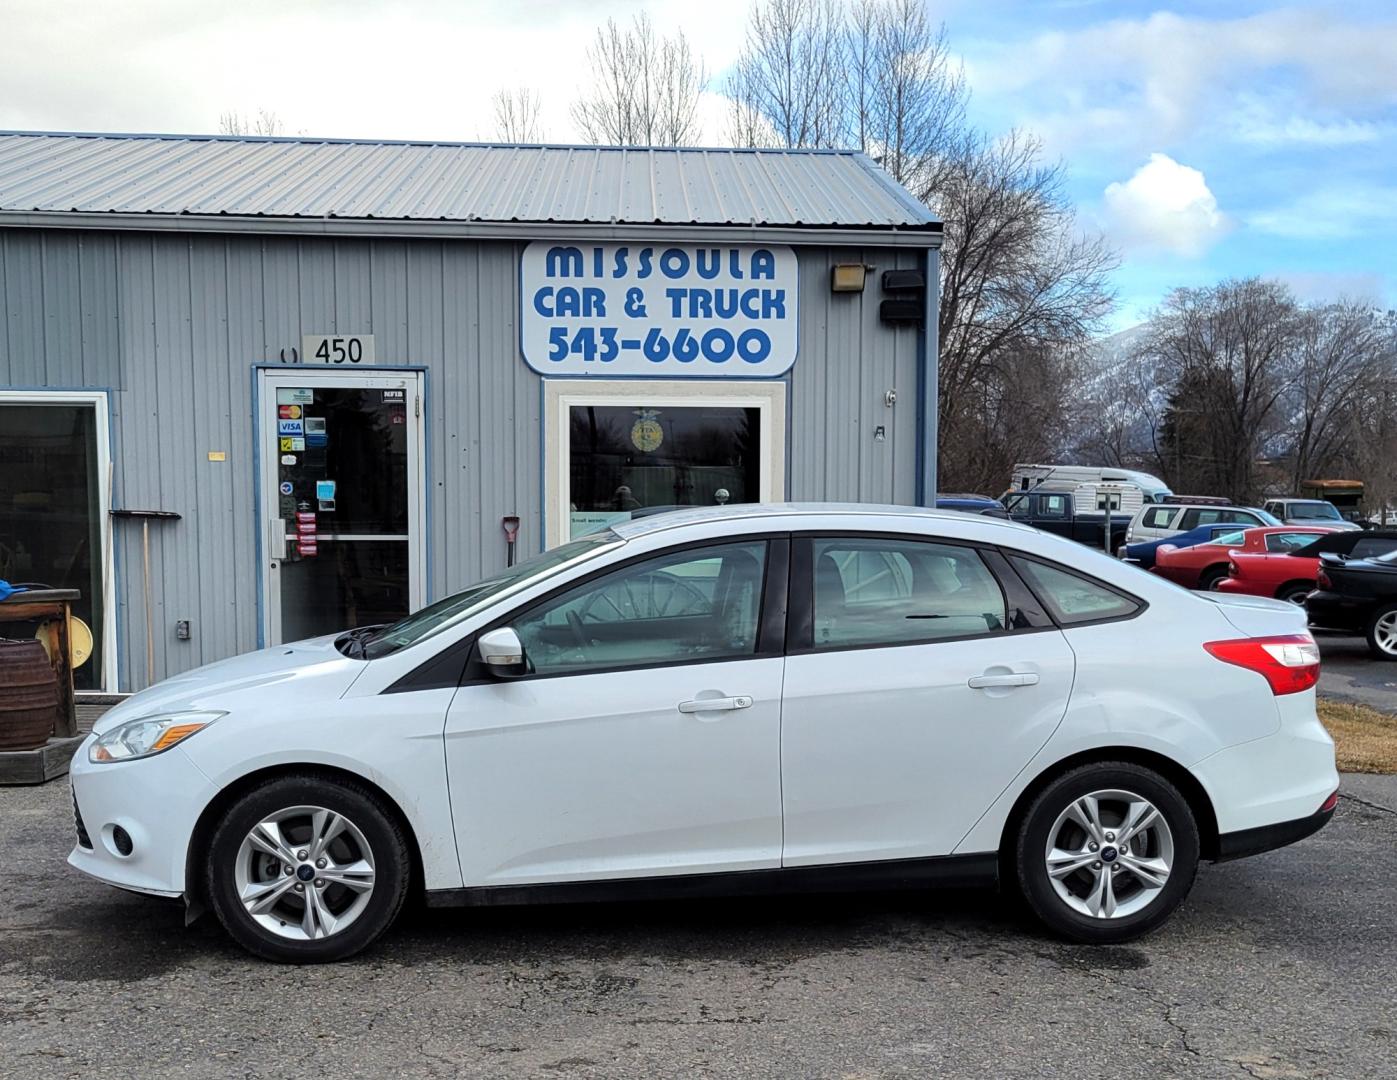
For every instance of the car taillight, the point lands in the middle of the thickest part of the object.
(1290, 663)
(1322, 580)
(1329, 803)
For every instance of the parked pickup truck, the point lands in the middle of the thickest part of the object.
(1055, 512)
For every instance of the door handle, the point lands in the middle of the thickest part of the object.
(980, 682)
(716, 704)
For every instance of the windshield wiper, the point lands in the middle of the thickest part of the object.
(357, 639)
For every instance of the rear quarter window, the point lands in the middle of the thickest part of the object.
(1158, 517)
(1071, 598)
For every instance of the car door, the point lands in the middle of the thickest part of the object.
(921, 678)
(645, 738)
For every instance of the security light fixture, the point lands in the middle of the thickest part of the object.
(847, 277)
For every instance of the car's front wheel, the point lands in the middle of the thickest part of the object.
(306, 870)
(1106, 852)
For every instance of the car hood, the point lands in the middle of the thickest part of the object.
(1258, 615)
(315, 666)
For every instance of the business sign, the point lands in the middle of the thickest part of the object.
(675, 311)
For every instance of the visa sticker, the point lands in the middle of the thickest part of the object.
(286, 487)
(290, 427)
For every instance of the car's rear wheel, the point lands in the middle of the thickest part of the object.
(306, 870)
(1295, 593)
(1106, 852)
(1211, 578)
(1382, 632)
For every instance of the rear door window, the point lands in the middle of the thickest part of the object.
(1054, 506)
(891, 591)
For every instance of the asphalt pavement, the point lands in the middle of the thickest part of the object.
(1348, 672)
(1280, 966)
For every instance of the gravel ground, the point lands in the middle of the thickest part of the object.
(1279, 966)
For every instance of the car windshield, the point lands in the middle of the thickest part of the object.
(1315, 511)
(454, 608)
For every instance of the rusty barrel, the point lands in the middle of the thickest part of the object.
(28, 695)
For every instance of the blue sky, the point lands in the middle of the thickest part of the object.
(1208, 140)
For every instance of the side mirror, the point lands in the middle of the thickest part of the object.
(502, 653)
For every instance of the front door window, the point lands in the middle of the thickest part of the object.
(343, 498)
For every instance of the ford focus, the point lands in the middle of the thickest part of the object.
(724, 701)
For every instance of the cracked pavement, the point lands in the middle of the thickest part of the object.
(1278, 967)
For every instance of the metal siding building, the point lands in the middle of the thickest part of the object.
(167, 276)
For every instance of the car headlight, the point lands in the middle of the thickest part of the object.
(148, 735)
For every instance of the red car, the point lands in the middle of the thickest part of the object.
(1206, 566)
(1288, 573)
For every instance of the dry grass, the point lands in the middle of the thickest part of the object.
(1365, 740)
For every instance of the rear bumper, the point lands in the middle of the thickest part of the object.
(1336, 611)
(1238, 845)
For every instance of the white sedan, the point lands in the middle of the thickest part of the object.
(718, 701)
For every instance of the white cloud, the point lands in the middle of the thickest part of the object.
(1164, 206)
(1329, 285)
(1330, 213)
(360, 68)
(1137, 84)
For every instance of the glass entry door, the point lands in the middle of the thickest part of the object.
(342, 499)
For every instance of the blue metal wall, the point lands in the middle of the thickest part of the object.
(173, 325)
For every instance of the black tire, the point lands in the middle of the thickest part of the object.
(1211, 576)
(1031, 849)
(1295, 593)
(1371, 632)
(377, 825)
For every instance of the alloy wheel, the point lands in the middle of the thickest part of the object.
(1109, 854)
(304, 873)
(1385, 633)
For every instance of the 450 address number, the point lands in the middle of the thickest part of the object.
(604, 343)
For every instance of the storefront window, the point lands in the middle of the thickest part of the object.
(629, 460)
(50, 512)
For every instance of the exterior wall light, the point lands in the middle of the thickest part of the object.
(847, 277)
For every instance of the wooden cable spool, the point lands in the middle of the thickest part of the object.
(28, 695)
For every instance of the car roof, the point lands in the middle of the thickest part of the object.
(702, 515)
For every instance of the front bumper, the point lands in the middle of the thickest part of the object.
(156, 800)
(1239, 588)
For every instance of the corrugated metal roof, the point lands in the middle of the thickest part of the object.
(461, 182)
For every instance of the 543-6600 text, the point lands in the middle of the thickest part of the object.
(604, 343)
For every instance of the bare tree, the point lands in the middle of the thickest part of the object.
(1230, 349)
(911, 114)
(1017, 281)
(516, 116)
(1339, 354)
(264, 122)
(788, 86)
(645, 88)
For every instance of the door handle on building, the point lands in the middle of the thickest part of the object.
(716, 704)
(981, 682)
